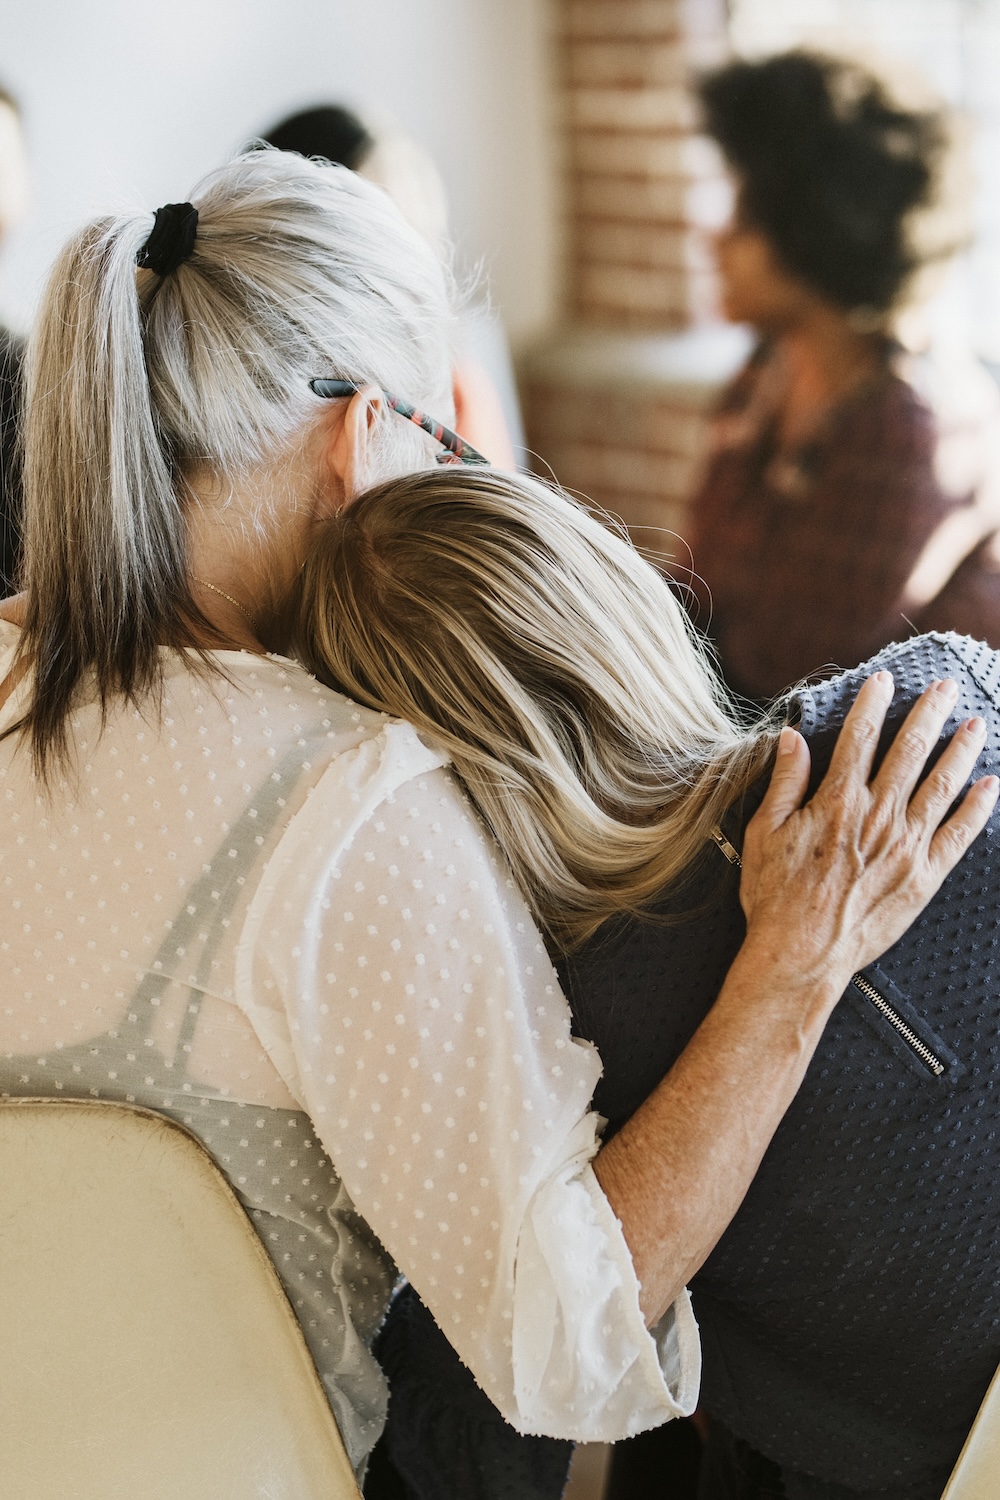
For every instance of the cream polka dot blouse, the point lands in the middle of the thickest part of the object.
(271, 915)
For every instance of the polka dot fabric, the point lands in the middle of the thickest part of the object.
(850, 1315)
(269, 914)
(431, 1044)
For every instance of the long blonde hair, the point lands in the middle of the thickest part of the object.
(555, 667)
(299, 269)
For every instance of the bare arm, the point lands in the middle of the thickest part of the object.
(826, 888)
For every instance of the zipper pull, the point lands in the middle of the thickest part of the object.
(719, 839)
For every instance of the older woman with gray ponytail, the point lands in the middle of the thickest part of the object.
(238, 897)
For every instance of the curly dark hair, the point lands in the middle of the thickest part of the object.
(829, 166)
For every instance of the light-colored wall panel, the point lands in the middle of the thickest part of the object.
(127, 101)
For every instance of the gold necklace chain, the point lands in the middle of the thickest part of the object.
(223, 595)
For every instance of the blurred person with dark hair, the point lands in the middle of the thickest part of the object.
(329, 131)
(853, 489)
(13, 194)
(487, 411)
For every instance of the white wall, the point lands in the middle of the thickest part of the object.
(128, 102)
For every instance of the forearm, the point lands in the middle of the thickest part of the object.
(677, 1172)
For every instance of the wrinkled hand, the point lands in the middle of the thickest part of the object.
(830, 885)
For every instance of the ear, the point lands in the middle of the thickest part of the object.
(346, 452)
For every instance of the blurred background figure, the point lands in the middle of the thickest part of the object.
(13, 201)
(487, 411)
(853, 488)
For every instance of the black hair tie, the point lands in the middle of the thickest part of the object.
(171, 240)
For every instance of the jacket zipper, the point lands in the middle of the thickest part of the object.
(930, 1060)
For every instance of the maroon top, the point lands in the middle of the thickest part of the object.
(806, 558)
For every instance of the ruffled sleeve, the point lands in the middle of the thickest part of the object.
(396, 979)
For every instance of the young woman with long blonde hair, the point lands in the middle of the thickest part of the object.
(535, 648)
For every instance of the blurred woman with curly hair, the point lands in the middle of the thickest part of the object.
(852, 494)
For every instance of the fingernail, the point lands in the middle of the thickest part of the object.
(976, 726)
(990, 784)
(947, 687)
(884, 679)
(786, 741)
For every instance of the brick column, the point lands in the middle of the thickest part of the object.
(615, 400)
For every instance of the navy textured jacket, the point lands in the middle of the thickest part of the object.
(850, 1315)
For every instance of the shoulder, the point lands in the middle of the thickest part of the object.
(263, 720)
(274, 694)
(892, 415)
(820, 710)
(914, 664)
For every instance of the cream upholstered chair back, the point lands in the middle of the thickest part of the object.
(976, 1476)
(146, 1345)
